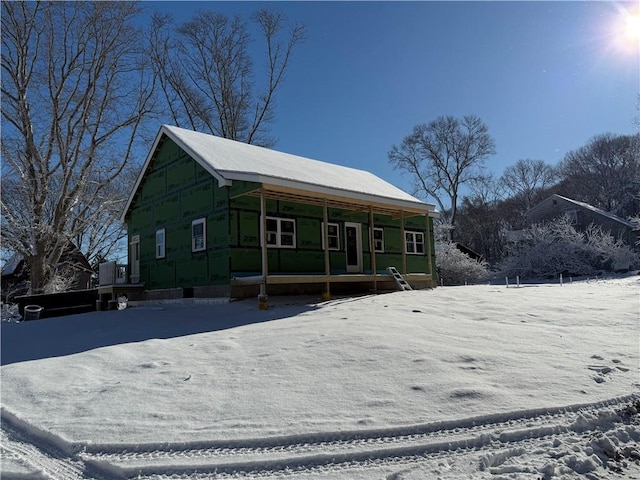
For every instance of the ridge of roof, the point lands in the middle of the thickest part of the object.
(592, 208)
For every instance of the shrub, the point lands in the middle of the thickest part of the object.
(457, 268)
(549, 249)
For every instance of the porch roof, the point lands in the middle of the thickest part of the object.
(287, 175)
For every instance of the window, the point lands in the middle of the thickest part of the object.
(415, 242)
(160, 243)
(281, 232)
(333, 234)
(198, 235)
(572, 215)
(378, 239)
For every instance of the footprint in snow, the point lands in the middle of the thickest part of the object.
(603, 370)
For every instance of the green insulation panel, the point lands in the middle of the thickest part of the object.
(175, 191)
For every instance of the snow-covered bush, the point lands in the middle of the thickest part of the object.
(61, 281)
(10, 313)
(636, 220)
(457, 268)
(548, 249)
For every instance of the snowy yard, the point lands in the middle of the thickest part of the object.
(470, 382)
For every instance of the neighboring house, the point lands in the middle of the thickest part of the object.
(582, 215)
(14, 277)
(203, 207)
(73, 265)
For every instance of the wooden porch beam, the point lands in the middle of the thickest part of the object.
(372, 249)
(327, 260)
(428, 244)
(265, 258)
(284, 193)
(404, 243)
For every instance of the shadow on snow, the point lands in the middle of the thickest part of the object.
(55, 337)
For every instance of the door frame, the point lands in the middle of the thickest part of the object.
(358, 228)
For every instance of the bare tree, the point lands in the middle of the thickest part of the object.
(443, 155)
(525, 180)
(480, 224)
(74, 98)
(605, 173)
(207, 76)
(97, 228)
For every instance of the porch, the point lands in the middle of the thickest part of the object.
(323, 284)
(277, 279)
(356, 267)
(113, 282)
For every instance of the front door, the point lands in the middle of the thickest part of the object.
(353, 247)
(134, 257)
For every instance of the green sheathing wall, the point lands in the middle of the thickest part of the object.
(308, 256)
(175, 191)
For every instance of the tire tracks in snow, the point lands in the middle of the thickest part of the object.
(45, 455)
(335, 451)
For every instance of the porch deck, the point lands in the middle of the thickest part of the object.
(279, 279)
(113, 283)
(347, 283)
(116, 289)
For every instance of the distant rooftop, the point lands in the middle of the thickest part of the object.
(598, 210)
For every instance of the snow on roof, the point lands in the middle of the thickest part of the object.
(11, 265)
(229, 160)
(599, 211)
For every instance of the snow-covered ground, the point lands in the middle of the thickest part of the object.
(470, 382)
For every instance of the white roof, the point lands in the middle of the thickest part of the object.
(11, 265)
(592, 208)
(228, 160)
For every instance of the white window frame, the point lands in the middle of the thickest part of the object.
(376, 240)
(412, 240)
(134, 252)
(161, 246)
(336, 236)
(194, 239)
(277, 235)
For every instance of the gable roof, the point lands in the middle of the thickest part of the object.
(586, 206)
(11, 265)
(228, 160)
(71, 254)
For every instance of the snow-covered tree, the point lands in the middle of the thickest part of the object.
(458, 268)
(75, 94)
(549, 249)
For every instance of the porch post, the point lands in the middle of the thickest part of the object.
(404, 243)
(372, 248)
(326, 295)
(428, 246)
(262, 298)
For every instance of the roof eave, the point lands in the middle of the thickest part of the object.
(320, 190)
(225, 178)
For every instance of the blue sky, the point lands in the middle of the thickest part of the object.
(544, 76)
